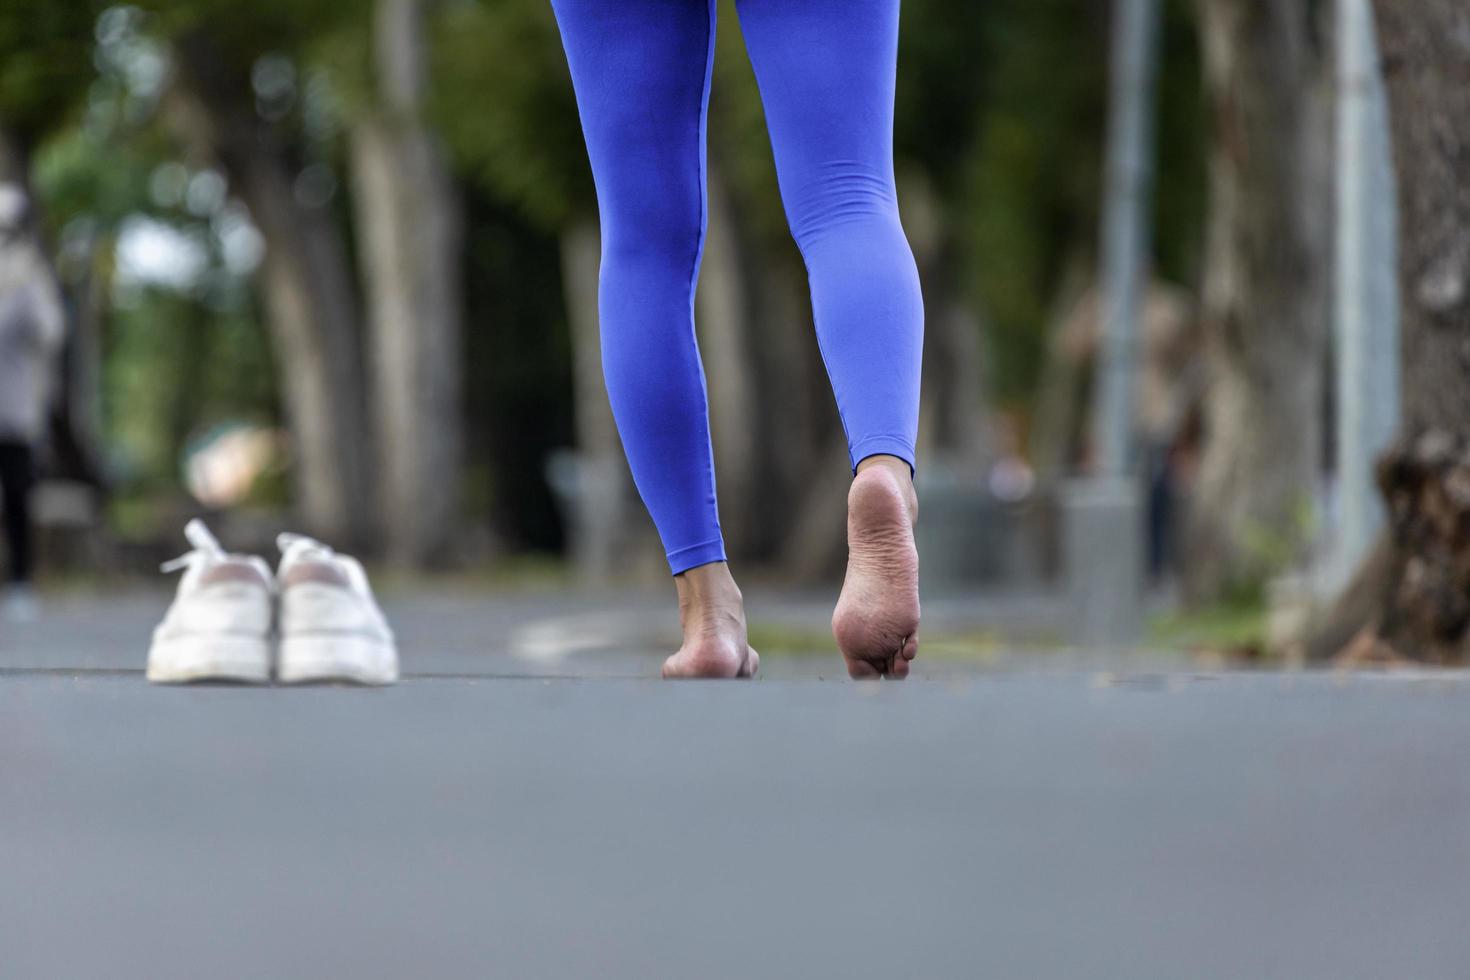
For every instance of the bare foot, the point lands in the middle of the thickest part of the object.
(712, 614)
(876, 622)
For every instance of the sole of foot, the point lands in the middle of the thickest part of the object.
(712, 660)
(876, 622)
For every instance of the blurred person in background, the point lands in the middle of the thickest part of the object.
(31, 332)
(1171, 389)
(826, 69)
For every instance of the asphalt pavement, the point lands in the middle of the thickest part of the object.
(529, 804)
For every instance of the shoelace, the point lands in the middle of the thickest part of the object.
(206, 548)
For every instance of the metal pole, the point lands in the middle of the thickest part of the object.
(1103, 523)
(1366, 287)
(1125, 231)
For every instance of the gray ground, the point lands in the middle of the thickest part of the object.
(527, 804)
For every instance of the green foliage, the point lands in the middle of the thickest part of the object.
(1268, 552)
(1028, 181)
(174, 371)
(1180, 185)
(76, 182)
(1031, 182)
(45, 62)
(176, 362)
(502, 98)
(943, 79)
(178, 359)
(1236, 626)
(241, 32)
(740, 146)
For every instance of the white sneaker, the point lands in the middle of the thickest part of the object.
(219, 626)
(331, 626)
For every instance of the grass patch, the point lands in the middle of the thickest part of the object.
(1228, 628)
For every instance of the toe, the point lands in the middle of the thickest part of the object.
(862, 670)
(752, 664)
(894, 666)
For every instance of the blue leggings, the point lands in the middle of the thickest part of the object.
(641, 70)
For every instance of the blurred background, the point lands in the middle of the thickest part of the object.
(332, 264)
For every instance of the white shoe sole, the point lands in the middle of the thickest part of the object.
(313, 658)
(210, 657)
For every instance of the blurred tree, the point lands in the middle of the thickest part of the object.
(524, 147)
(235, 96)
(45, 69)
(409, 228)
(518, 362)
(1265, 297)
(162, 354)
(1411, 597)
(1065, 301)
(267, 91)
(1031, 178)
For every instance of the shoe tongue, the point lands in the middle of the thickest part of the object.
(299, 547)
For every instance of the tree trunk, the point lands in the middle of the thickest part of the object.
(1416, 600)
(310, 297)
(1426, 51)
(314, 330)
(1265, 303)
(956, 438)
(795, 422)
(410, 238)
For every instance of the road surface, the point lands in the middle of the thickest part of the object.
(521, 817)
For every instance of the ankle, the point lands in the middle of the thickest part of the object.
(707, 591)
(902, 473)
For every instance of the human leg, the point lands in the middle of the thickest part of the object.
(641, 71)
(17, 476)
(826, 70)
